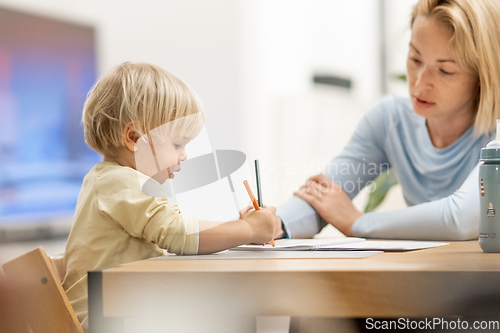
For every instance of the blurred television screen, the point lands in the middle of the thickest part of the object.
(47, 67)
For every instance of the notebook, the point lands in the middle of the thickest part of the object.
(340, 244)
(299, 244)
(386, 246)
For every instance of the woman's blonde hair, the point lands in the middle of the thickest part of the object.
(475, 46)
(142, 94)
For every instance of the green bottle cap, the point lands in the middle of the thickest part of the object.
(490, 154)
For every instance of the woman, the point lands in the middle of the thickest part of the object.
(431, 139)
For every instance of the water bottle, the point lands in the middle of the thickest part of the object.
(489, 199)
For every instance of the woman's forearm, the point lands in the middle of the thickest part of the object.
(455, 217)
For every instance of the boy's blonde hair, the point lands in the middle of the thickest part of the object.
(475, 46)
(142, 94)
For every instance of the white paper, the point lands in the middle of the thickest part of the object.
(298, 244)
(385, 246)
(340, 244)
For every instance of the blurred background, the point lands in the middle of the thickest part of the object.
(284, 81)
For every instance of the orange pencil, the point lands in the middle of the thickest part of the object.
(254, 201)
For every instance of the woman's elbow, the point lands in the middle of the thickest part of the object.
(463, 235)
(465, 229)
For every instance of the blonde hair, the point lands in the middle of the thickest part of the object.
(142, 94)
(475, 46)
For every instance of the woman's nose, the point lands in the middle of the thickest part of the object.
(424, 78)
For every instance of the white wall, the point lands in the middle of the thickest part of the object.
(251, 62)
(195, 39)
(296, 127)
(397, 39)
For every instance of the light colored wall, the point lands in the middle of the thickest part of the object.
(251, 62)
(195, 39)
(398, 38)
(295, 126)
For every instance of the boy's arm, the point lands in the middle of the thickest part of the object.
(216, 236)
(256, 227)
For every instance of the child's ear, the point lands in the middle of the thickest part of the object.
(131, 136)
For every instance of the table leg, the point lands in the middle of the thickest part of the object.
(97, 322)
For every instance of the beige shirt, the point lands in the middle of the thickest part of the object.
(115, 223)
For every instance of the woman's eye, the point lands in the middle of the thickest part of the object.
(415, 60)
(176, 146)
(445, 72)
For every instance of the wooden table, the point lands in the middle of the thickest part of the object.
(441, 281)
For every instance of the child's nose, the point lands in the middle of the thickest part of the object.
(183, 156)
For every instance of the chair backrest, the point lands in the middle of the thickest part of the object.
(11, 314)
(45, 304)
(58, 262)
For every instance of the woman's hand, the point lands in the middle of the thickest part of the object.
(331, 202)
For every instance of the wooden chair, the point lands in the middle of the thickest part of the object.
(11, 319)
(45, 304)
(58, 263)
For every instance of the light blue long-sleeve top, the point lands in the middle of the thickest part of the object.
(440, 186)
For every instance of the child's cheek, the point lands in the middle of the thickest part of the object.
(167, 159)
(145, 160)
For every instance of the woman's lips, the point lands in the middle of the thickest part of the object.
(421, 103)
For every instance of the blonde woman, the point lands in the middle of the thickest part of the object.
(430, 139)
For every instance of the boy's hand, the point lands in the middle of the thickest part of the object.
(245, 211)
(262, 224)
